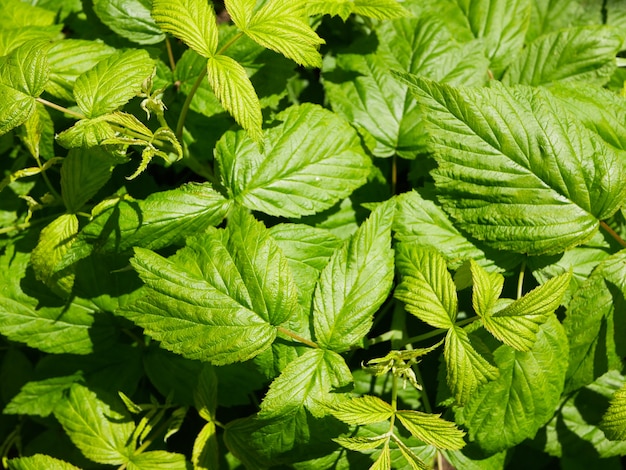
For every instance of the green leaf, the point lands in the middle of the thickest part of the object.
(586, 54)
(220, 298)
(39, 461)
(160, 220)
(614, 420)
(517, 324)
(361, 87)
(54, 241)
(157, 460)
(205, 393)
(427, 289)
(205, 452)
(130, 19)
(100, 90)
(292, 177)
(379, 9)
(383, 462)
(84, 172)
(486, 289)
(37, 133)
(16, 13)
(516, 170)
(355, 283)
(14, 37)
(501, 24)
(594, 321)
(548, 17)
(102, 433)
(40, 397)
(466, 368)
(282, 26)
(70, 58)
(15, 108)
(362, 410)
(192, 21)
(361, 444)
(306, 382)
(233, 89)
(431, 429)
(511, 408)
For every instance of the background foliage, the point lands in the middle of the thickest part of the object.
(312, 234)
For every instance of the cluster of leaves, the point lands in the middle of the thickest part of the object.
(231, 235)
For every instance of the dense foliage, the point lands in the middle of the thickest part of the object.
(327, 234)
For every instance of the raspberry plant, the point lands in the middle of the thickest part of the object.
(321, 234)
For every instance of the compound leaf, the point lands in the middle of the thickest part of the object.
(220, 298)
(517, 324)
(102, 90)
(426, 288)
(311, 160)
(354, 283)
(192, 21)
(103, 434)
(516, 170)
(431, 429)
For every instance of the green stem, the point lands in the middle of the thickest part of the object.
(183, 112)
(170, 54)
(613, 233)
(438, 331)
(233, 40)
(520, 280)
(60, 108)
(425, 400)
(298, 338)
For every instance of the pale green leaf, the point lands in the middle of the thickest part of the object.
(86, 133)
(26, 69)
(282, 25)
(37, 133)
(362, 410)
(516, 170)
(362, 88)
(205, 452)
(502, 25)
(240, 11)
(383, 462)
(361, 444)
(162, 219)
(594, 321)
(517, 324)
(585, 54)
(39, 397)
(16, 13)
(102, 433)
(415, 463)
(70, 58)
(306, 382)
(205, 393)
(39, 462)
(84, 172)
(355, 283)
(12, 38)
(15, 108)
(614, 420)
(504, 412)
(379, 9)
(432, 429)
(157, 460)
(233, 89)
(548, 17)
(54, 241)
(427, 289)
(100, 90)
(466, 368)
(220, 298)
(192, 21)
(486, 289)
(311, 160)
(130, 19)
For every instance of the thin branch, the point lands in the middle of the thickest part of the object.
(298, 338)
(520, 280)
(613, 233)
(52, 105)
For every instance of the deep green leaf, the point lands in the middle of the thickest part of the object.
(516, 170)
(38, 462)
(427, 288)
(466, 368)
(594, 321)
(205, 393)
(101, 432)
(486, 289)
(355, 283)
(235, 92)
(192, 21)
(363, 410)
(157, 460)
(205, 453)
(220, 298)
(172, 375)
(130, 19)
(517, 323)
(362, 88)
(293, 176)
(70, 58)
(511, 408)
(432, 429)
(100, 90)
(585, 54)
(614, 420)
(306, 382)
